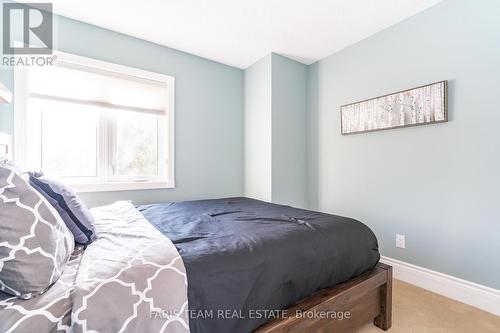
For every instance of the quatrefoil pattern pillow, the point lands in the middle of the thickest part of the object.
(35, 244)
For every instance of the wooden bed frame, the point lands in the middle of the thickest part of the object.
(365, 298)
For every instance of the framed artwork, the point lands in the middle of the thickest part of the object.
(418, 106)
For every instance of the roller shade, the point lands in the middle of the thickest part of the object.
(76, 83)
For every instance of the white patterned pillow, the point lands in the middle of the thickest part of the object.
(35, 244)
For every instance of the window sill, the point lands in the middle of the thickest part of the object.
(126, 186)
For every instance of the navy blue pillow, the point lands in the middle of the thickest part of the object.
(72, 209)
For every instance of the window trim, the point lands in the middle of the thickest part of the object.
(21, 96)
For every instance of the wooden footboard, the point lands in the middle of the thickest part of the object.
(342, 308)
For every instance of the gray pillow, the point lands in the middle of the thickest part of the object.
(35, 244)
(70, 207)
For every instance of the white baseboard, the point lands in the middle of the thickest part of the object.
(479, 296)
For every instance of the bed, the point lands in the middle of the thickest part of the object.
(258, 258)
(225, 265)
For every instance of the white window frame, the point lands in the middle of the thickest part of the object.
(20, 148)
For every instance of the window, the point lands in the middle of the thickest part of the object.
(96, 125)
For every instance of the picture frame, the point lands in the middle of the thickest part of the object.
(426, 104)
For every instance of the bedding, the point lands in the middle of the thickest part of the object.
(131, 279)
(236, 262)
(70, 207)
(35, 244)
(246, 259)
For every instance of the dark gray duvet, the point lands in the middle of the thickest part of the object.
(245, 256)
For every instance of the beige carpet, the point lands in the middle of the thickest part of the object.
(421, 311)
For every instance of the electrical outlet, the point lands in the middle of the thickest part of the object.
(400, 241)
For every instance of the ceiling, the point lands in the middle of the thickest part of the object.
(240, 32)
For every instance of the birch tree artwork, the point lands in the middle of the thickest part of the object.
(412, 107)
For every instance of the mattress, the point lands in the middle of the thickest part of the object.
(246, 259)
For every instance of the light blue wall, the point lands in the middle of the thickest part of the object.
(258, 130)
(438, 184)
(289, 80)
(209, 112)
(6, 114)
(275, 132)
